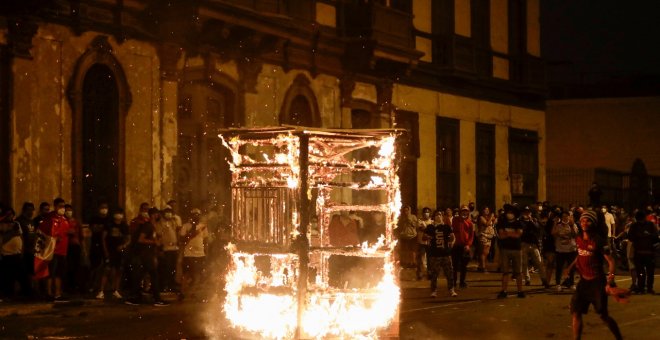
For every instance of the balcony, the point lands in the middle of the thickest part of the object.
(387, 29)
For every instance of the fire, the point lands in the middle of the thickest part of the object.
(268, 293)
(265, 303)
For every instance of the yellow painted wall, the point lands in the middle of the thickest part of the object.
(422, 15)
(326, 14)
(424, 45)
(462, 18)
(469, 111)
(499, 31)
(500, 68)
(533, 27)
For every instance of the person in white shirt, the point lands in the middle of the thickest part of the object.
(168, 232)
(610, 221)
(193, 235)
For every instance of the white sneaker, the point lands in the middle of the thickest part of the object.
(453, 293)
(558, 288)
(117, 295)
(100, 295)
(434, 294)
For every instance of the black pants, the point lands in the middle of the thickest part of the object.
(72, 282)
(144, 264)
(565, 259)
(645, 266)
(460, 258)
(167, 269)
(12, 270)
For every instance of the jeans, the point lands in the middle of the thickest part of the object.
(460, 258)
(531, 251)
(437, 264)
(645, 266)
(144, 264)
(565, 259)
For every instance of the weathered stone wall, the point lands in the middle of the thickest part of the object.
(42, 118)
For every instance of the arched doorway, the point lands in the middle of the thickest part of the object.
(99, 96)
(100, 132)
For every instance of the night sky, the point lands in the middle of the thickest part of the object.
(602, 37)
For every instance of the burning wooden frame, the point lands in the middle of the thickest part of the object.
(303, 264)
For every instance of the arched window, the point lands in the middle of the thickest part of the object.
(300, 107)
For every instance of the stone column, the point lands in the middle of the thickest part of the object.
(169, 55)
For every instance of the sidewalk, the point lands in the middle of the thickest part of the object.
(21, 308)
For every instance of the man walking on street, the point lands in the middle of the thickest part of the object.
(593, 250)
(440, 237)
(531, 238)
(145, 261)
(644, 237)
(509, 231)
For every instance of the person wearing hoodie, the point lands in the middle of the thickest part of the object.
(460, 252)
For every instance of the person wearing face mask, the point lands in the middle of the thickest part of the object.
(11, 251)
(531, 243)
(485, 235)
(115, 241)
(56, 227)
(460, 252)
(97, 225)
(144, 260)
(441, 237)
(564, 233)
(168, 231)
(194, 235)
(407, 233)
(135, 224)
(73, 252)
(610, 222)
(29, 232)
(44, 210)
(510, 231)
(422, 242)
(177, 219)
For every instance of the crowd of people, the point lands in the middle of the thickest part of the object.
(519, 241)
(551, 239)
(52, 256)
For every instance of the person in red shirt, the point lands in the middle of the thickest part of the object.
(593, 251)
(56, 225)
(74, 250)
(460, 253)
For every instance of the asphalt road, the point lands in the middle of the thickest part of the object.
(474, 314)
(477, 313)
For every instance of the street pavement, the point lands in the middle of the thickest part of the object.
(476, 313)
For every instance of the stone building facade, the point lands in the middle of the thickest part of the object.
(122, 100)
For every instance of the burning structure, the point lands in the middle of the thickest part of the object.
(305, 264)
